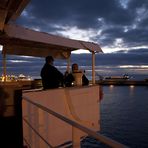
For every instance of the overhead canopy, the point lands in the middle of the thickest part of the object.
(10, 10)
(18, 40)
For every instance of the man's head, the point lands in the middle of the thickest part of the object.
(49, 60)
(75, 67)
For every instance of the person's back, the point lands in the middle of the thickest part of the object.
(51, 77)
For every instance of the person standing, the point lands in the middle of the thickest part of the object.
(69, 77)
(51, 76)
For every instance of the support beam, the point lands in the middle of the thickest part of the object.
(3, 14)
(68, 65)
(4, 64)
(93, 67)
(21, 7)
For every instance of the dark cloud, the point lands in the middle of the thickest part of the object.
(108, 16)
(125, 59)
(136, 37)
(110, 34)
(134, 4)
(144, 23)
(83, 14)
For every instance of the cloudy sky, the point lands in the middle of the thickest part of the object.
(118, 26)
(113, 24)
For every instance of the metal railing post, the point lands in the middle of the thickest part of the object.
(75, 137)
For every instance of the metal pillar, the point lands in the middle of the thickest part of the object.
(68, 65)
(4, 64)
(93, 67)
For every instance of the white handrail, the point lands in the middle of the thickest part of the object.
(90, 132)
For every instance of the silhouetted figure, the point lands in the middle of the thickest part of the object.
(69, 77)
(51, 76)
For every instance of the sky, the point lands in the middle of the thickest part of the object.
(118, 26)
(114, 24)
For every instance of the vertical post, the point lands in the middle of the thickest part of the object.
(93, 67)
(4, 64)
(36, 126)
(46, 121)
(29, 116)
(75, 137)
(68, 64)
(3, 15)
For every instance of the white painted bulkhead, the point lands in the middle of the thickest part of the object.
(80, 104)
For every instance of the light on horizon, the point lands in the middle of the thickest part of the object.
(1, 47)
(133, 66)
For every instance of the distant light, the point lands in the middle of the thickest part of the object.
(133, 66)
(111, 86)
(19, 61)
(132, 86)
(1, 47)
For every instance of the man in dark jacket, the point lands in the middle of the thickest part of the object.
(51, 76)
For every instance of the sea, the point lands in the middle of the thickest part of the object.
(124, 116)
(124, 109)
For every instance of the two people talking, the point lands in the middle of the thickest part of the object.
(53, 78)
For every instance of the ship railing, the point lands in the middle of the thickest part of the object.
(76, 127)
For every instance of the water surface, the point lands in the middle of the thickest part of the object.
(124, 116)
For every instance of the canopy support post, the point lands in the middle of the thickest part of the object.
(93, 67)
(68, 65)
(4, 63)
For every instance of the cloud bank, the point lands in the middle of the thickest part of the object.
(114, 24)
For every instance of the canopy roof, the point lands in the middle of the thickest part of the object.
(10, 10)
(18, 40)
(21, 41)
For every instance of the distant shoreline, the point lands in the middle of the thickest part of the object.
(126, 82)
